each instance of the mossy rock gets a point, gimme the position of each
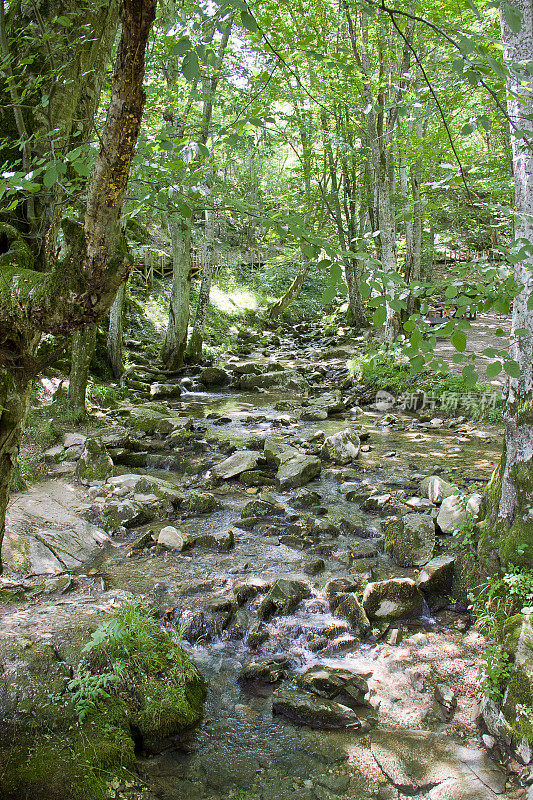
(68, 731)
(77, 766)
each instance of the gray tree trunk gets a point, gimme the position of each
(194, 348)
(178, 318)
(509, 523)
(81, 355)
(114, 333)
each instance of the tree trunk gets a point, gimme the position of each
(14, 399)
(277, 308)
(194, 348)
(178, 318)
(508, 524)
(83, 344)
(114, 333)
(71, 295)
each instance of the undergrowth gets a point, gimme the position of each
(439, 390)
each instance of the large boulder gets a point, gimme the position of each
(305, 708)
(298, 471)
(410, 540)
(437, 575)
(288, 380)
(351, 609)
(393, 599)
(213, 376)
(95, 463)
(283, 598)
(334, 683)
(342, 447)
(158, 391)
(436, 489)
(147, 416)
(236, 464)
(457, 509)
(45, 533)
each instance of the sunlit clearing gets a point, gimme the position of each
(234, 302)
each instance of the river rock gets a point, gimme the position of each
(217, 540)
(351, 610)
(248, 589)
(437, 489)
(241, 461)
(342, 447)
(283, 598)
(335, 683)
(455, 509)
(271, 670)
(392, 599)
(213, 376)
(290, 380)
(437, 575)
(305, 708)
(145, 484)
(95, 463)
(171, 537)
(304, 498)
(337, 589)
(410, 540)
(45, 535)
(160, 390)
(146, 416)
(298, 471)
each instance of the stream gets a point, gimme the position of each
(405, 744)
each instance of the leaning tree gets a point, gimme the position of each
(54, 57)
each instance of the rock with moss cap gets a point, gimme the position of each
(410, 540)
(95, 463)
(392, 599)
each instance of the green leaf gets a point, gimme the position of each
(469, 375)
(417, 363)
(458, 339)
(450, 292)
(513, 17)
(379, 316)
(182, 46)
(365, 290)
(81, 168)
(512, 368)
(336, 272)
(494, 368)
(50, 176)
(248, 22)
(329, 294)
(190, 66)
(64, 21)
(308, 250)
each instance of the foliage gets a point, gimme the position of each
(391, 371)
(88, 691)
(495, 670)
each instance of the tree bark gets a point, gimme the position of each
(14, 399)
(114, 333)
(178, 319)
(194, 348)
(82, 352)
(508, 524)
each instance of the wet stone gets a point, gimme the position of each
(305, 708)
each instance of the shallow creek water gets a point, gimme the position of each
(241, 750)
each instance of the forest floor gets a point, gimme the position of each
(270, 531)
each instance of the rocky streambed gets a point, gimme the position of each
(300, 543)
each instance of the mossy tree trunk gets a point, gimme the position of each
(114, 333)
(70, 295)
(508, 525)
(83, 344)
(178, 319)
(194, 348)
